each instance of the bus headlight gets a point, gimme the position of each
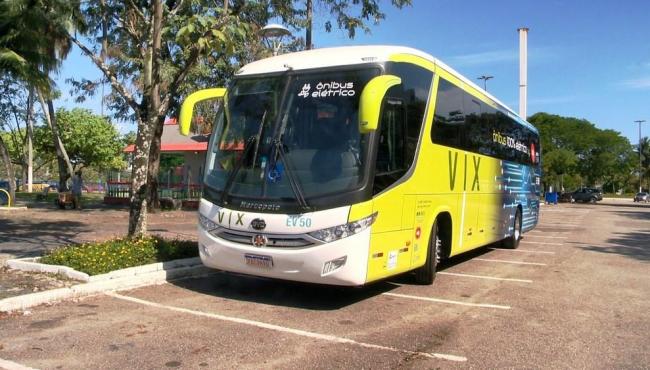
(343, 231)
(206, 223)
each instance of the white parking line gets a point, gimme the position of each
(438, 300)
(483, 277)
(543, 243)
(282, 329)
(10, 365)
(512, 262)
(522, 250)
(527, 235)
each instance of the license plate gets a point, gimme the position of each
(259, 260)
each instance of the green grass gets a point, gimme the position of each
(115, 254)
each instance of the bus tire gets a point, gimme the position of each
(512, 242)
(426, 274)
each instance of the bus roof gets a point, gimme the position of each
(351, 55)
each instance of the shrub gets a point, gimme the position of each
(115, 254)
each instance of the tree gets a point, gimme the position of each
(34, 41)
(91, 140)
(348, 15)
(154, 47)
(12, 118)
(556, 164)
(26, 51)
(577, 148)
(644, 157)
(16, 125)
(611, 158)
(63, 160)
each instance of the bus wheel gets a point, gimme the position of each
(427, 273)
(512, 242)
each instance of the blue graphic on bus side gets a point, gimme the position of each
(519, 186)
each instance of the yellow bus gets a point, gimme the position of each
(348, 165)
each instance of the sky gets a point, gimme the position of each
(586, 58)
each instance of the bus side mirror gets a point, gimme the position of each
(370, 101)
(187, 108)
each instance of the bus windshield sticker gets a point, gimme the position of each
(275, 173)
(328, 89)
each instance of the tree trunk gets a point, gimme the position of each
(139, 174)
(65, 167)
(147, 125)
(308, 44)
(24, 170)
(154, 165)
(30, 140)
(10, 170)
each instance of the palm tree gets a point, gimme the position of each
(33, 42)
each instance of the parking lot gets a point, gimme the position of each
(576, 294)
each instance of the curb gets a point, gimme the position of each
(130, 278)
(4, 208)
(620, 199)
(32, 264)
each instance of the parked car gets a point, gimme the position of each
(566, 197)
(591, 195)
(642, 197)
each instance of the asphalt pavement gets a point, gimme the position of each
(31, 232)
(576, 294)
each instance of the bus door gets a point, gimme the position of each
(470, 200)
(390, 243)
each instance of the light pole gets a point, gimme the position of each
(640, 121)
(273, 34)
(485, 78)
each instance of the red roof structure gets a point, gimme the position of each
(173, 141)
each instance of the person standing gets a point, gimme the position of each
(77, 185)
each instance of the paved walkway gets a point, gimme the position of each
(31, 232)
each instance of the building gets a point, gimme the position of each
(181, 167)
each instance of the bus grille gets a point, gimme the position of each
(275, 241)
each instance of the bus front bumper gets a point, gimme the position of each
(320, 264)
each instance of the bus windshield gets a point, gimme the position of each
(289, 137)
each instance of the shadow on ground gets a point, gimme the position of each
(631, 204)
(281, 292)
(634, 244)
(95, 206)
(640, 216)
(303, 295)
(29, 239)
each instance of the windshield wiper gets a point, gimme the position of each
(295, 185)
(235, 170)
(278, 151)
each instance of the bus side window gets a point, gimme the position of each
(391, 152)
(449, 119)
(473, 110)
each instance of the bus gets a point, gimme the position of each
(344, 166)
